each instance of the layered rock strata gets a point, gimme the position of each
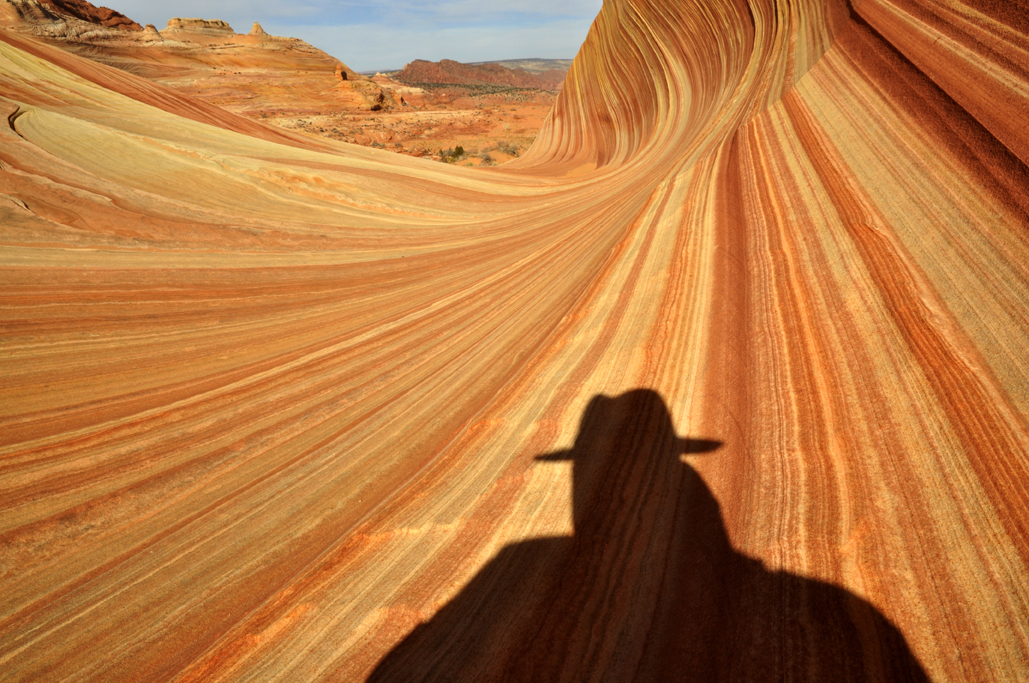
(215, 27)
(85, 11)
(76, 21)
(724, 378)
(205, 58)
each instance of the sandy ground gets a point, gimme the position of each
(491, 128)
(499, 132)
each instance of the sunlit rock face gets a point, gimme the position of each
(81, 9)
(77, 10)
(724, 379)
(211, 26)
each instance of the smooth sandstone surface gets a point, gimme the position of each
(725, 378)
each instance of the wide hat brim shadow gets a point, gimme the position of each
(681, 447)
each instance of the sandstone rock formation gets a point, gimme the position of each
(19, 12)
(199, 56)
(85, 11)
(150, 33)
(66, 20)
(215, 27)
(724, 378)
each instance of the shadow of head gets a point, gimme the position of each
(625, 442)
(651, 574)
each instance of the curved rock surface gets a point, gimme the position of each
(86, 11)
(725, 378)
(74, 20)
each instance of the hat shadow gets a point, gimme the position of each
(649, 587)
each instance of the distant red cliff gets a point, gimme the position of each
(448, 71)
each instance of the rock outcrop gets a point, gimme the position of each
(150, 33)
(215, 27)
(21, 12)
(65, 19)
(724, 379)
(85, 11)
(191, 50)
(450, 72)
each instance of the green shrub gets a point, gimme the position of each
(450, 156)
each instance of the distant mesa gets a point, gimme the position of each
(534, 65)
(449, 72)
(208, 26)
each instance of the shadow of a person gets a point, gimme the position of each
(648, 589)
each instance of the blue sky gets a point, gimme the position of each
(386, 34)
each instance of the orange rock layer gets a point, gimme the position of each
(724, 379)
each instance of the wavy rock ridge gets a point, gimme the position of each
(270, 402)
(80, 9)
